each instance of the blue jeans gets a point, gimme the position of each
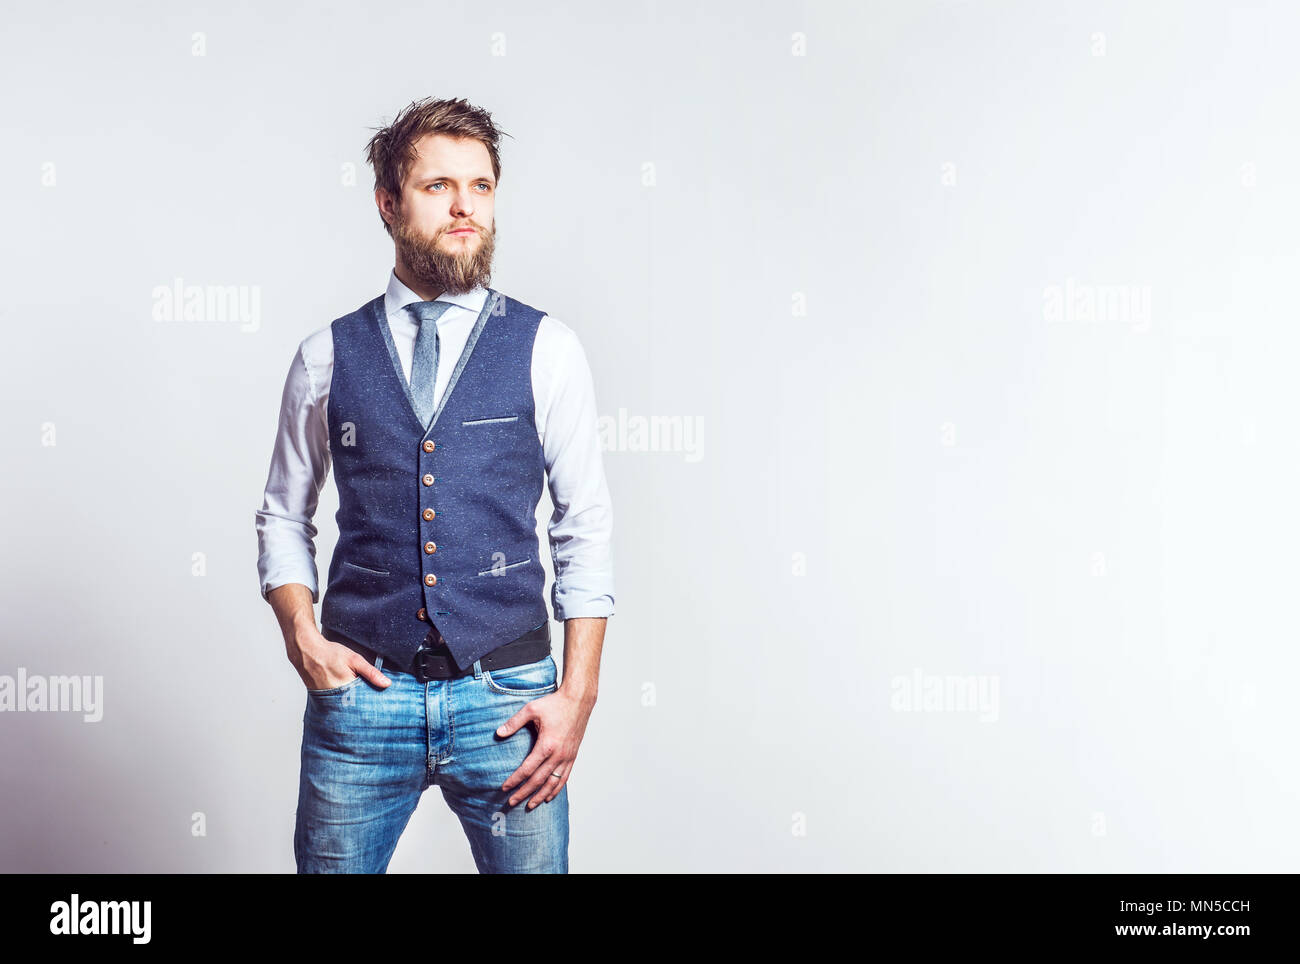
(369, 753)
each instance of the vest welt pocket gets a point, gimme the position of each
(486, 421)
(496, 569)
(368, 572)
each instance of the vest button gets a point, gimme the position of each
(422, 615)
(428, 515)
(430, 579)
(427, 480)
(428, 446)
(430, 547)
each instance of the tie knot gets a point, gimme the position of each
(428, 310)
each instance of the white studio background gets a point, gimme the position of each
(982, 317)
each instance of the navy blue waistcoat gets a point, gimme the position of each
(437, 524)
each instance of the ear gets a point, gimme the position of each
(386, 204)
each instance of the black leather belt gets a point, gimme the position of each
(434, 661)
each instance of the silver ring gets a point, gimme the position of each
(555, 776)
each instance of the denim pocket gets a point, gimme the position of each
(527, 679)
(333, 690)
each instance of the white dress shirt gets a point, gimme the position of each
(564, 400)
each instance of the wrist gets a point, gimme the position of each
(586, 695)
(302, 628)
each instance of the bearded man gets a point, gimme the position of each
(443, 406)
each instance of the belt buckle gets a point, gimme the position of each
(420, 666)
(432, 639)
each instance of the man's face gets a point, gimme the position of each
(444, 229)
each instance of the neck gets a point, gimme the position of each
(405, 277)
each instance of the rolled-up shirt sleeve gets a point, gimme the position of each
(300, 463)
(581, 528)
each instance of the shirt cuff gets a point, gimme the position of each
(283, 579)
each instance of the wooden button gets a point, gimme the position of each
(428, 480)
(422, 615)
(430, 579)
(430, 547)
(428, 445)
(428, 515)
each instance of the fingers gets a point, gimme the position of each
(556, 785)
(525, 769)
(541, 773)
(527, 773)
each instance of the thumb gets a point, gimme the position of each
(515, 722)
(369, 672)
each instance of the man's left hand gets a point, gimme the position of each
(561, 722)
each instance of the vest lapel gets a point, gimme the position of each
(488, 303)
(380, 322)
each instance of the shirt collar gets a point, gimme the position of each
(398, 296)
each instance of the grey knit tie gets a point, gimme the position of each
(424, 363)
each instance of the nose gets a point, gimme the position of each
(462, 206)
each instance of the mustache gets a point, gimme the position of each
(457, 269)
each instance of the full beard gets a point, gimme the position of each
(455, 273)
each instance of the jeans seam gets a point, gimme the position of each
(451, 724)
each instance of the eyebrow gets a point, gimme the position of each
(433, 178)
